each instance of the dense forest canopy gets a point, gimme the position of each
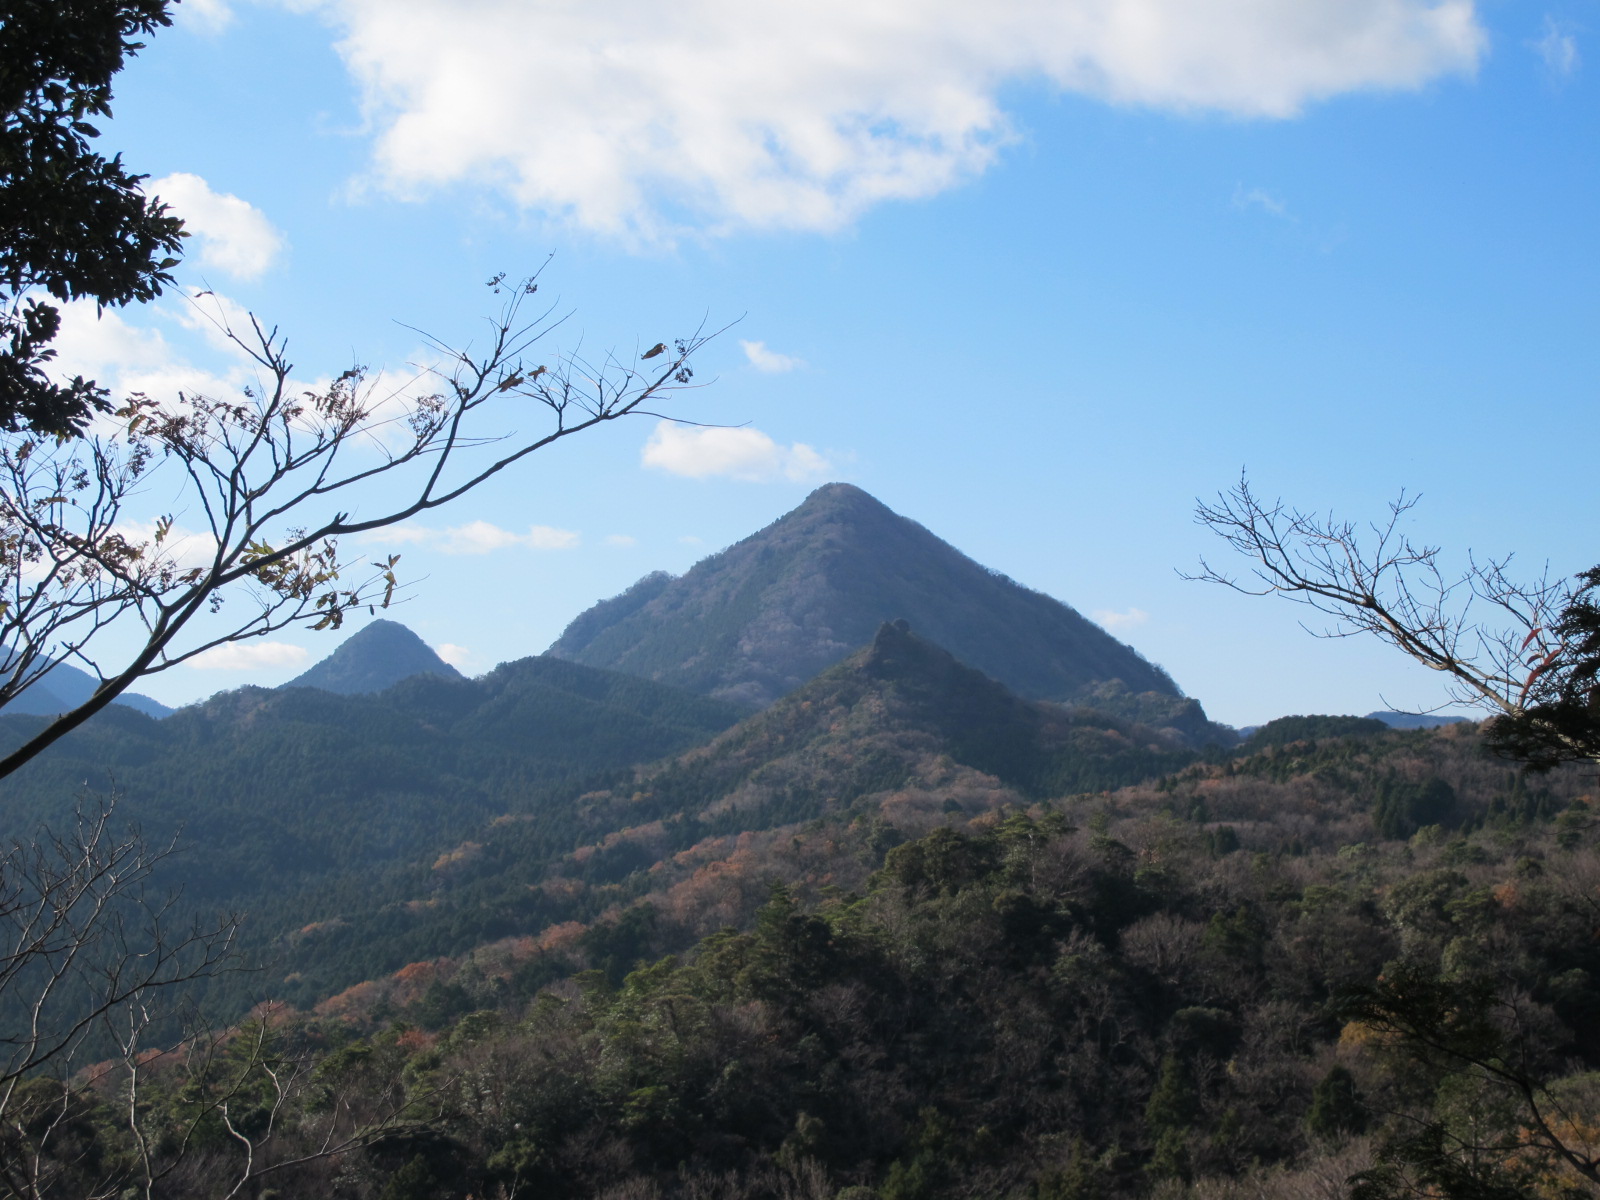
(906, 935)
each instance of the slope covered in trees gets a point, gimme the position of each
(759, 619)
(1227, 981)
(279, 798)
(894, 740)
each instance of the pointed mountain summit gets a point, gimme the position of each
(373, 659)
(760, 618)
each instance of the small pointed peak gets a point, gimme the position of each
(375, 657)
(896, 650)
(892, 633)
(894, 646)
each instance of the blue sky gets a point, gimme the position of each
(1035, 275)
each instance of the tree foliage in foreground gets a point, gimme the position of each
(1560, 720)
(74, 224)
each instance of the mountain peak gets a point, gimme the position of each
(372, 659)
(758, 619)
(842, 502)
(840, 495)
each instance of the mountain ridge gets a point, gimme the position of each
(755, 621)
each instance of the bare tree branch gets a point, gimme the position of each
(1506, 646)
(277, 477)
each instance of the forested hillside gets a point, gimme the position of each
(902, 934)
(1344, 952)
(885, 745)
(288, 804)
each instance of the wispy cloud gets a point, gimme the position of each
(183, 548)
(250, 656)
(704, 116)
(621, 539)
(1261, 200)
(744, 454)
(769, 361)
(235, 237)
(1557, 45)
(475, 537)
(1116, 621)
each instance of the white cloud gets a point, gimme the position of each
(250, 656)
(638, 119)
(121, 356)
(621, 539)
(1259, 198)
(690, 539)
(745, 454)
(207, 16)
(1120, 620)
(456, 656)
(234, 235)
(475, 537)
(97, 344)
(546, 537)
(1558, 47)
(769, 361)
(400, 535)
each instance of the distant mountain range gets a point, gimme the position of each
(1406, 720)
(756, 621)
(376, 657)
(1331, 726)
(759, 619)
(63, 687)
